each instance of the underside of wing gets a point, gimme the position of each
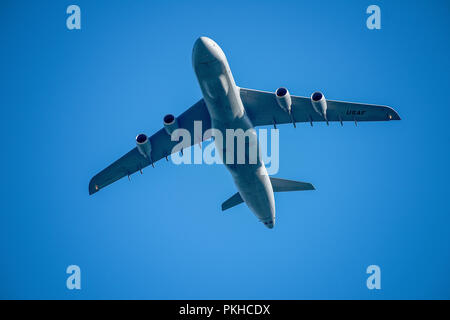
(263, 109)
(125, 166)
(161, 146)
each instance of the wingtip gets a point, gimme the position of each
(93, 188)
(396, 116)
(392, 114)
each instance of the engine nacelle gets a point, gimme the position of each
(143, 145)
(284, 99)
(170, 123)
(319, 104)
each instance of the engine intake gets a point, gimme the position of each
(284, 99)
(143, 145)
(319, 104)
(170, 123)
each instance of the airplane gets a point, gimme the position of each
(226, 106)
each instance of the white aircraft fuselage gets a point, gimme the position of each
(222, 98)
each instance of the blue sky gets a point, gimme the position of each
(73, 101)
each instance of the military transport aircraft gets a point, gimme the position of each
(227, 106)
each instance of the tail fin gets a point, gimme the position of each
(278, 185)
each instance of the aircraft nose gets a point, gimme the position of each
(205, 50)
(269, 224)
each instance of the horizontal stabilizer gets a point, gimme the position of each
(283, 185)
(233, 201)
(278, 185)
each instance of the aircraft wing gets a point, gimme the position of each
(262, 108)
(161, 144)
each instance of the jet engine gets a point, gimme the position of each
(319, 104)
(284, 99)
(170, 123)
(143, 145)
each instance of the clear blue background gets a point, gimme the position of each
(73, 101)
